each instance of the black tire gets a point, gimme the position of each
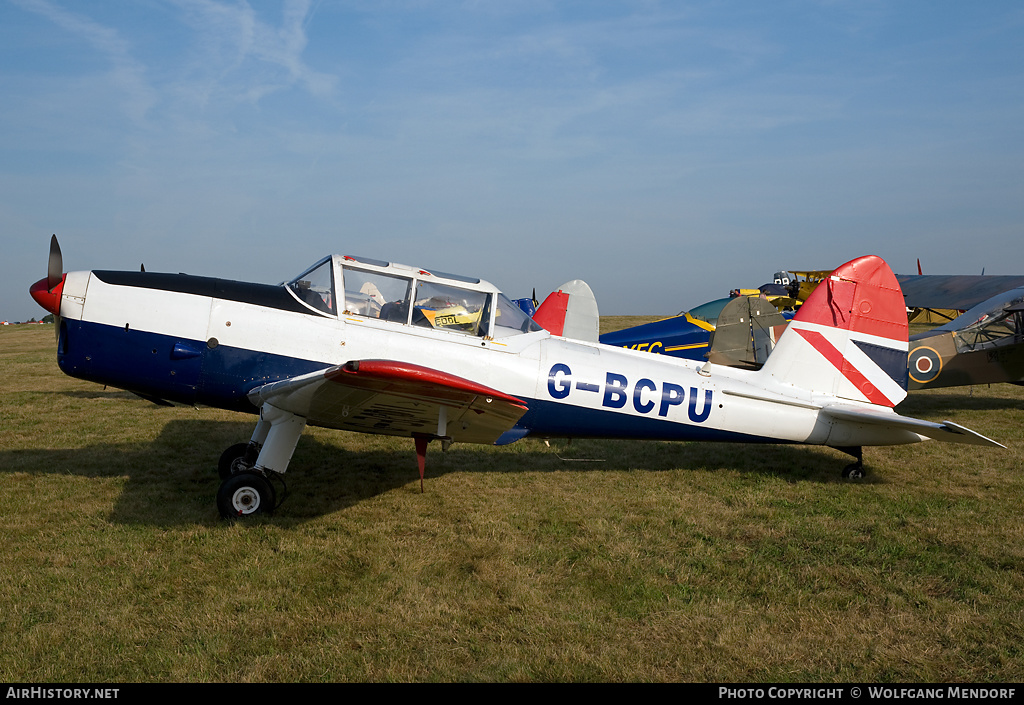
(233, 460)
(245, 494)
(854, 472)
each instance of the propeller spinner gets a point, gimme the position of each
(47, 292)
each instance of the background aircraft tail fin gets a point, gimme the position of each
(745, 333)
(849, 339)
(570, 312)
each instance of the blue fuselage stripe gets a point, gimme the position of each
(167, 367)
(559, 420)
(170, 367)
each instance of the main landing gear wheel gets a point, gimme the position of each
(244, 494)
(234, 460)
(854, 471)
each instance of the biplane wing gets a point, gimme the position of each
(810, 274)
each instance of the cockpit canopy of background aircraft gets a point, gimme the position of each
(710, 311)
(994, 322)
(355, 286)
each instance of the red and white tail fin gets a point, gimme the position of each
(849, 339)
(570, 312)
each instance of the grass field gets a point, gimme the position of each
(590, 561)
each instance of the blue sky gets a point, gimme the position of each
(665, 152)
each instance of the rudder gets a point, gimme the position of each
(570, 312)
(849, 339)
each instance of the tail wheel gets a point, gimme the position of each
(244, 494)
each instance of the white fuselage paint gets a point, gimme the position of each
(536, 367)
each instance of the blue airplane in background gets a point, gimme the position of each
(685, 335)
(737, 331)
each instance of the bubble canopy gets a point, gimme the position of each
(343, 285)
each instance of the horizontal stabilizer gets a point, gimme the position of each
(946, 431)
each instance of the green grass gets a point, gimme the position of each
(589, 561)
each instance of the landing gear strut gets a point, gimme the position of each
(246, 468)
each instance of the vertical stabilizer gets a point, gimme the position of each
(849, 339)
(745, 333)
(570, 312)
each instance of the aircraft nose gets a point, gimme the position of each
(46, 297)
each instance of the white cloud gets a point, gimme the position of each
(126, 73)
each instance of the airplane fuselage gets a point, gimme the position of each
(206, 341)
(370, 346)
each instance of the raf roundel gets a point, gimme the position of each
(925, 365)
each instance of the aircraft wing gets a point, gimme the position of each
(957, 291)
(945, 431)
(395, 398)
(811, 274)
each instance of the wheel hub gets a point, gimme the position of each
(245, 500)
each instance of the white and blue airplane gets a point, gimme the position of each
(371, 346)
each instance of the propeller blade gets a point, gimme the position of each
(55, 265)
